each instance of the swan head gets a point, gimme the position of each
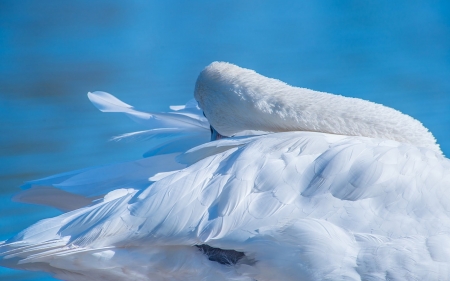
(236, 99)
(230, 97)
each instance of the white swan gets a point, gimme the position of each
(311, 186)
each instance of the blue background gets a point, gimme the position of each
(149, 53)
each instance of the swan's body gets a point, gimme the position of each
(290, 205)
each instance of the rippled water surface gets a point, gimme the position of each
(148, 53)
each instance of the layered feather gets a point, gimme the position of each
(322, 216)
(176, 131)
(295, 205)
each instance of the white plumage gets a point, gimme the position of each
(236, 99)
(334, 192)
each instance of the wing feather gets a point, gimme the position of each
(70, 191)
(300, 203)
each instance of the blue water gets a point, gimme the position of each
(149, 53)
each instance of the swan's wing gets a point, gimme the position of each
(176, 132)
(297, 204)
(72, 190)
(189, 116)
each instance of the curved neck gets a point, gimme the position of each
(235, 99)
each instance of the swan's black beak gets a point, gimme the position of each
(215, 135)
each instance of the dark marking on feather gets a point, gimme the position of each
(227, 257)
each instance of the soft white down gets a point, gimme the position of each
(236, 99)
(312, 200)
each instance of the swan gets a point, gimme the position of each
(295, 185)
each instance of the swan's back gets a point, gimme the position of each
(278, 206)
(295, 204)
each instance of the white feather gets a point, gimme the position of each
(236, 99)
(299, 205)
